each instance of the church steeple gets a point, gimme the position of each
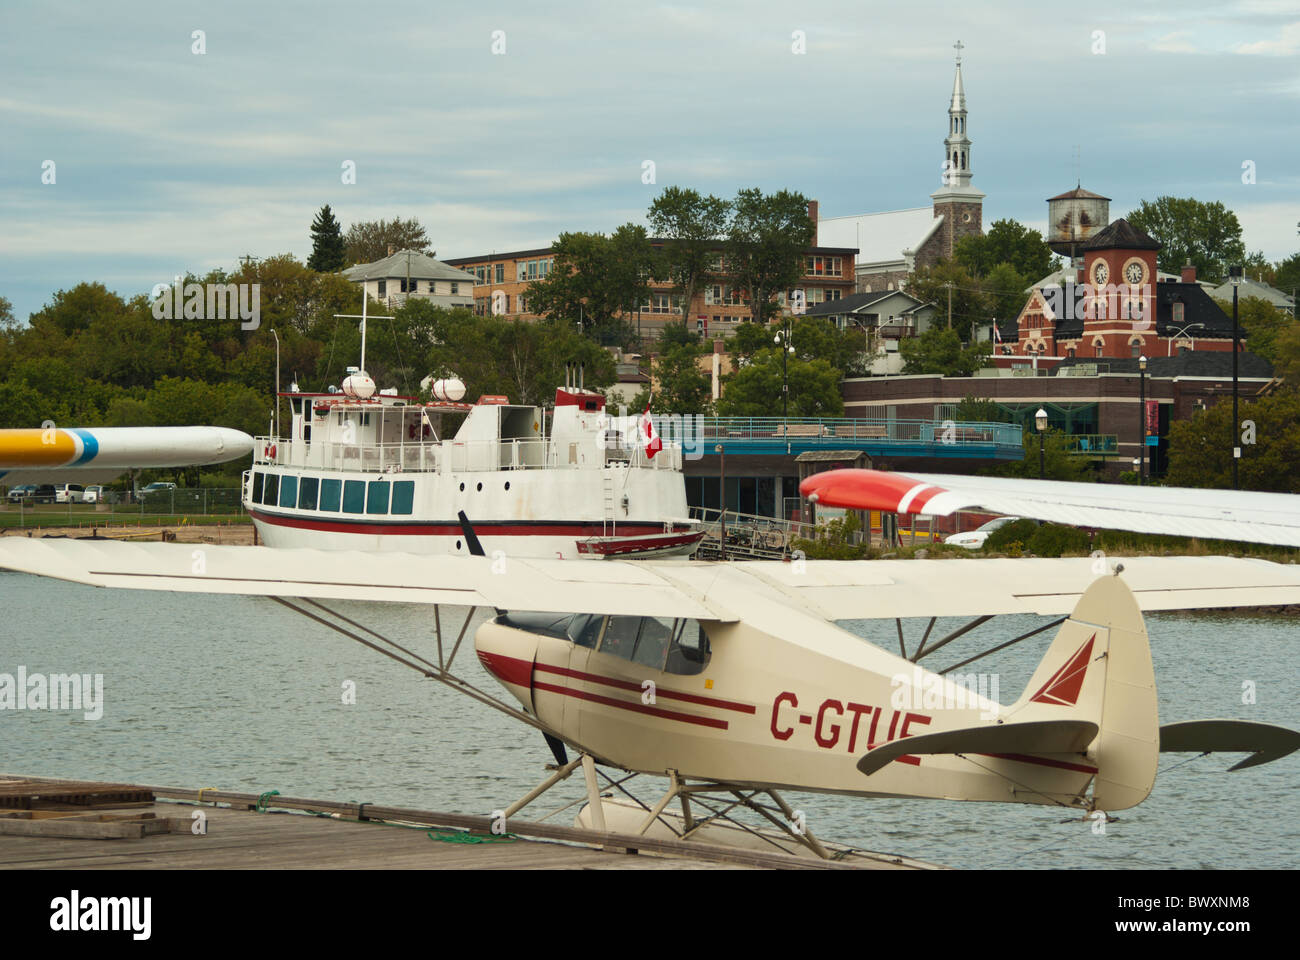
(956, 201)
(957, 168)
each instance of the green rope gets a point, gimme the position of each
(464, 836)
(264, 799)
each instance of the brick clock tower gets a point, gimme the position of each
(1119, 263)
(960, 204)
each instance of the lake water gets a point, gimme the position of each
(242, 694)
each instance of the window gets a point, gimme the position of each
(383, 288)
(271, 494)
(834, 293)
(409, 286)
(455, 288)
(257, 488)
(481, 273)
(501, 273)
(659, 303)
(1099, 350)
(673, 646)
(329, 495)
(377, 497)
(354, 496)
(307, 490)
(404, 497)
(824, 266)
(533, 269)
(289, 492)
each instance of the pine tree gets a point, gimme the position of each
(326, 242)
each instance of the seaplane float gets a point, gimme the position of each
(732, 681)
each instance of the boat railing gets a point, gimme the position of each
(457, 456)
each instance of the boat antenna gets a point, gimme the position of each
(363, 316)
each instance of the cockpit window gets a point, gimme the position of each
(676, 646)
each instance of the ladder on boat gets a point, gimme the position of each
(608, 525)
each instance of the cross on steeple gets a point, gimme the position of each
(958, 47)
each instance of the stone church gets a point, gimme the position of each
(894, 243)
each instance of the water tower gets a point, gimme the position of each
(1072, 219)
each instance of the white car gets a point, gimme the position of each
(974, 539)
(68, 492)
(93, 494)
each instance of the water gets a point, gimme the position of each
(243, 694)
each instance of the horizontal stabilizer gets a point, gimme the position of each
(1263, 741)
(1035, 736)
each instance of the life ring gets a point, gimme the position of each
(268, 452)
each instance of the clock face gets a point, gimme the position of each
(1100, 273)
(1135, 273)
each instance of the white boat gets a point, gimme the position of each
(365, 472)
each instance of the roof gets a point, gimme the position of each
(1193, 363)
(1254, 288)
(1121, 235)
(1198, 308)
(878, 237)
(510, 255)
(1078, 193)
(856, 302)
(419, 266)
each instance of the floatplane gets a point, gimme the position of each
(733, 682)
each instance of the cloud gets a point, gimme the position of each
(1285, 44)
(1176, 42)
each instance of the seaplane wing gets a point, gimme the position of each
(1245, 516)
(561, 586)
(722, 592)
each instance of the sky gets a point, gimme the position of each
(500, 126)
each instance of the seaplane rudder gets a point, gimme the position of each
(1098, 668)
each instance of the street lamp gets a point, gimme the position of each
(782, 341)
(1180, 332)
(1234, 274)
(1142, 418)
(1040, 421)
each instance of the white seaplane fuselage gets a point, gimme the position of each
(373, 475)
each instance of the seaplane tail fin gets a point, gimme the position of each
(1263, 741)
(1098, 669)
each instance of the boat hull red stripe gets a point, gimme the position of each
(442, 529)
(659, 691)
(636, 707)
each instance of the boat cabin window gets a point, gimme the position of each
(257, 487)
(271, 493)
(307, 489)
(354, 496)
(404, 497)
(330, 490)
(377, 497)
(289, 491)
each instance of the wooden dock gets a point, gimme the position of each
(57, 824)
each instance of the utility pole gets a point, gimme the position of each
(949, 286)
(1234, 275)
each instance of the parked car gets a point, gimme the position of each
(45, 493)
(21, 492)
(975, 539)
(68, 492)
(156, 487)
(93, 494)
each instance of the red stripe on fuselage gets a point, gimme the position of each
(659, 691)
(635, 707)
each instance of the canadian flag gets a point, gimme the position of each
(997, 334)
(652, 442)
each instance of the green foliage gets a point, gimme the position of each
(767, 239)
(971, 306)
(939, 350)
(1005, 288)
(1006, 242)
(692, 226)
(974, 410)
(833, 540)
(755, 389)
(1059, 462)
(1261, 323)
(1287, 275)
(1017, 531)
(1053, 540)
(596, 280)
(369, 240)
(1206, 234)
(1200, 449)
(682, 387)
(328, 252)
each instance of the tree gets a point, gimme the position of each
(370, 240)
(679, 384)
(973, 409)
(755, 389)
(1206, 234)
(692, 227)
(1287, 276)
(1004, 289)
(595, 281)
(1261, 322)
(1007, 241)
(7, 319)
(939, 350)
(327, 250)
(1200, 449)
(948, 282)
(767, 239)
(1059, 462)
